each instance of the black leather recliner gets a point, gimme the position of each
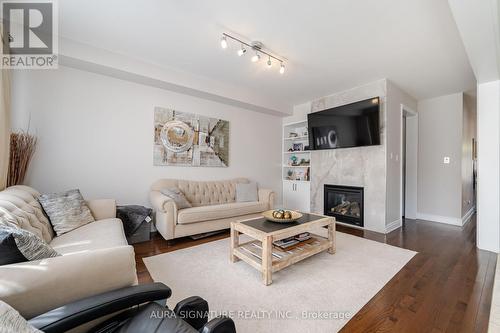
(143, 310)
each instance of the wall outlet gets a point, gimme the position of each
(446, 160)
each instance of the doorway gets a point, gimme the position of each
(409, 154)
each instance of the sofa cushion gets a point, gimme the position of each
(246, 192)
(29, 244)
(66, 210)
(203, 193)
(96, 235)
(12, 321)
(214, 212)
(19, 207)
(9, 253)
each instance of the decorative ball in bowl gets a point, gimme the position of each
(282, 216)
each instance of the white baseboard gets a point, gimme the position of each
(440, 219)
(393, 225)
(468, 215)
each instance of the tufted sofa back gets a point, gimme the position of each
(203, 193)
(20, 208)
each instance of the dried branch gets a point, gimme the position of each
(22, 148)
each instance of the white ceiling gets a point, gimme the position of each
(331, 45)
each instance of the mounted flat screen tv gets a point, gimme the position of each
(351, 125)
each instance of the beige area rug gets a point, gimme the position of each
(319, 294)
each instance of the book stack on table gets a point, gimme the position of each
(290, 242)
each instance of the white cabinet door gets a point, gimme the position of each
(296, 196)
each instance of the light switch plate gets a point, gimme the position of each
(446, 160)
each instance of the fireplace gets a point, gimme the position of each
(345, 203)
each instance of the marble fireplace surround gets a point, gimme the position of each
(360, 166)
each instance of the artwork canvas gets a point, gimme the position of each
(187, 139)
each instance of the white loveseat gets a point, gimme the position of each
(214, 206)
(95, 257)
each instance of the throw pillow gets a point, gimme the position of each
(12, 322)
(29, 245)
(9, 252)
(179, 198)
(246, 192)
(66, 210)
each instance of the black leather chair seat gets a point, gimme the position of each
(154, 318)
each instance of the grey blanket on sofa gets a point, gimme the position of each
(132, 217)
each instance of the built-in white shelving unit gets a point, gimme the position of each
(296, 172)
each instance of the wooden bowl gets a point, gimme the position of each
(269, 216)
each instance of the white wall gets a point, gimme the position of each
(96, 133)
(440, 134)
(488, 166)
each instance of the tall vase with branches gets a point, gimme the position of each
(22, 148)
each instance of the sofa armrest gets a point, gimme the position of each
(102, 208)
(165, 214)
(85, 310)
(267, 196)
(35, 287)
(161, 202)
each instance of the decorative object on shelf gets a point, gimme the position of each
(292, 135)
(257, 50)
(186, 139)
(301, 131)
(297, 147)
(293, 160)
(282, 216)
(304, 162)
(22, 148)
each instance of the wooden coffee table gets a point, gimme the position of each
(260, 252)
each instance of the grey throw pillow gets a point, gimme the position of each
(179, 198)
(12, 322)
(66, 210)
(29, 245)
(246, 192)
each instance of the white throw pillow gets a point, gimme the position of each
(179, 198)
(246, 192)
(12, 322)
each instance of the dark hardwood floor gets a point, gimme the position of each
(446, 287)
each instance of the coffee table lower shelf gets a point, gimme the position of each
(251, 252)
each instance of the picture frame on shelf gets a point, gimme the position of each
(298, 147)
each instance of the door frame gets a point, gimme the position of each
(405, 112)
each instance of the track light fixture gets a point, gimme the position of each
(257, 47)
(241, 51)
(223, 42)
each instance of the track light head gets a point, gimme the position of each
(256, 57)
(269, 63)
(241, 51)
(282, 68)
(223, 42)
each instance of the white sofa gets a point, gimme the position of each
(214, 206)
(95, 257)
